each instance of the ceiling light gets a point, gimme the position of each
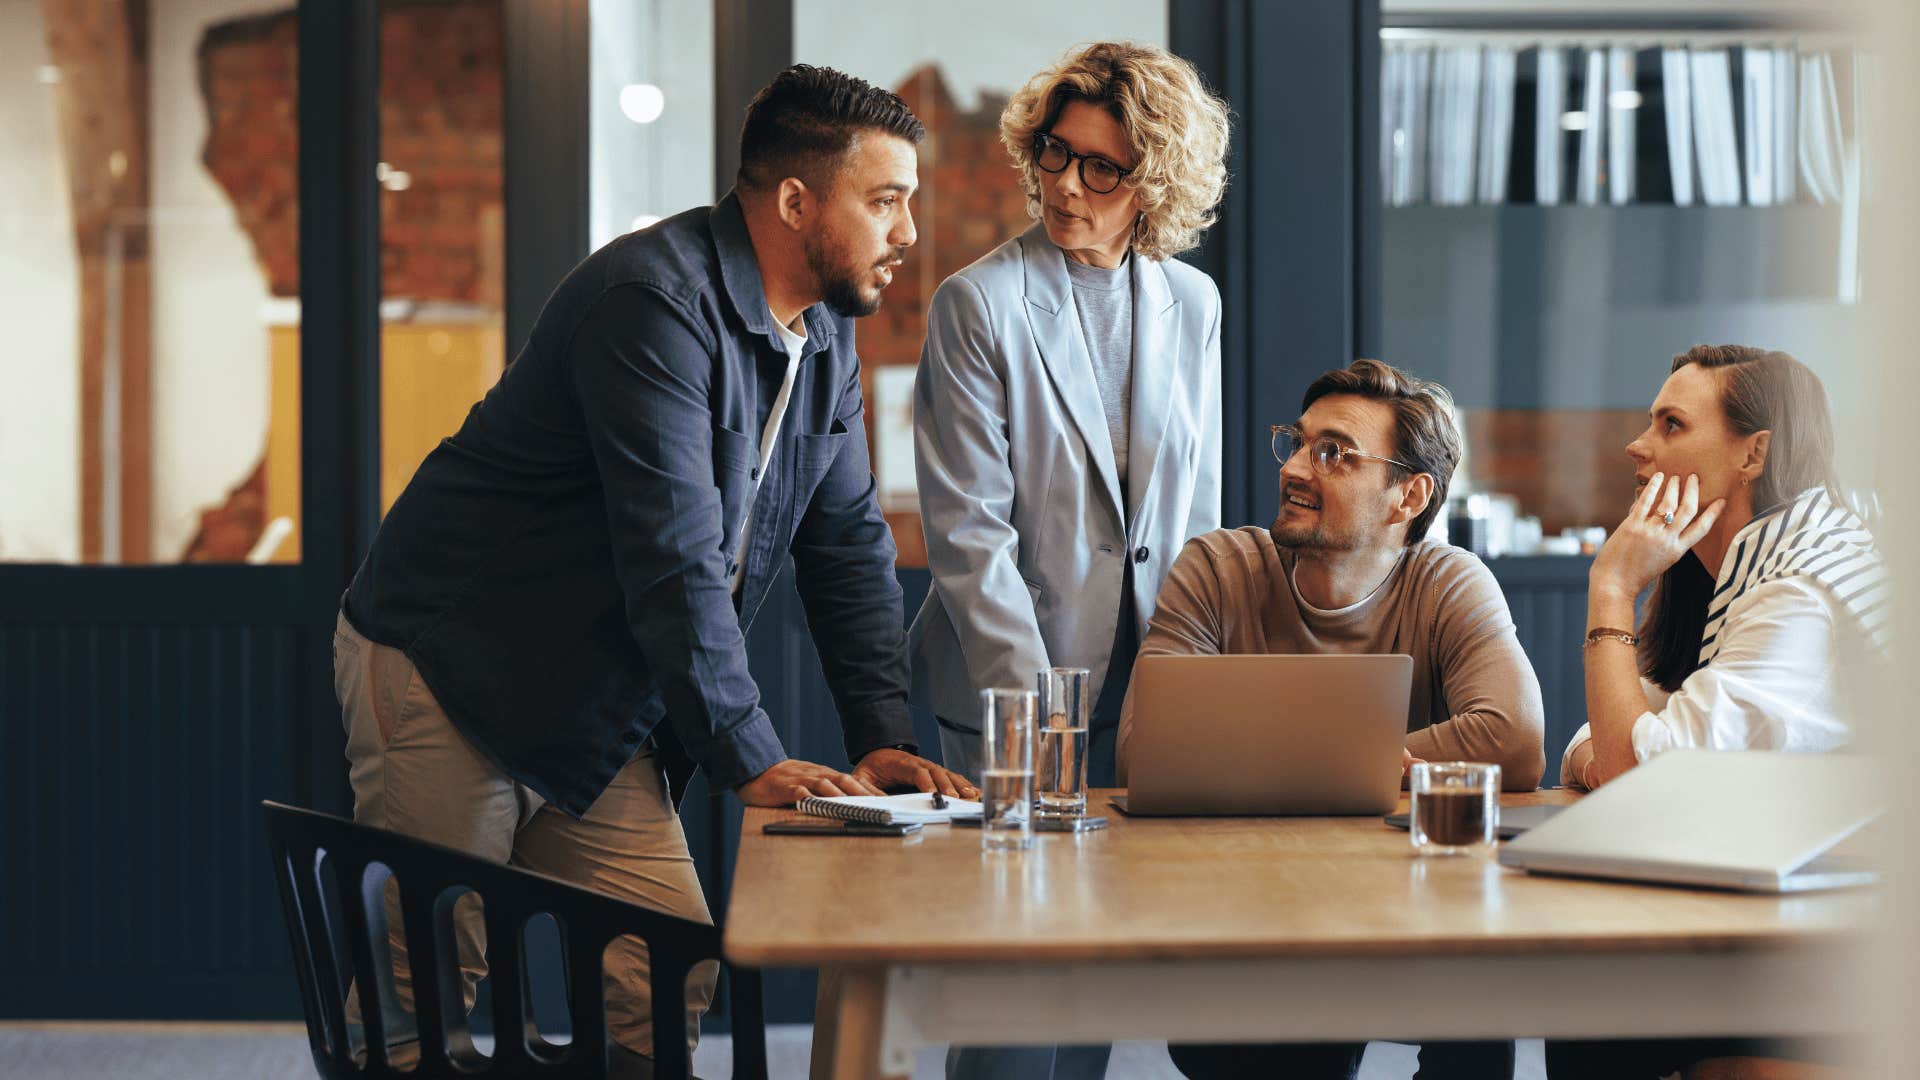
(642, 102)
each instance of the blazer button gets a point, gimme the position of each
(755, 476)
(630, 738)
(1140, 556)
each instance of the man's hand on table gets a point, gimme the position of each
(897, 769)
(792, 780)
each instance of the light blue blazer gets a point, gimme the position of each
(1028, 533)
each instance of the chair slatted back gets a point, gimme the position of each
(432, 879)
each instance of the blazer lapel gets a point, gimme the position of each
(1056, 330)
(1156, 377)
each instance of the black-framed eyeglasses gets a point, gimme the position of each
(1323, 453)
(1097, 174)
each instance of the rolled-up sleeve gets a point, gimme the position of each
(1771, 685)
(640, 368)
(843, 555)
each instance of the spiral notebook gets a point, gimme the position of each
(887, 809)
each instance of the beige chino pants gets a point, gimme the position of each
(414, 773)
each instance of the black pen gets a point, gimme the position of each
(939, 803)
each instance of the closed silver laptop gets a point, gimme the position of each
(1752, 820)
(1256, 735)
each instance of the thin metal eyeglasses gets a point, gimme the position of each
(1323, 453)
(1099, 175)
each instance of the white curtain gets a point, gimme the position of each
(1456, 91)
(1623, 110)
(1403, 122)
(1786, 62)
(1820, 151)
(1676, 86)
(1594, 107)
(1757, 125)
(1713, 135)
(1551, 93)
(1447, 113)
(1498, 68)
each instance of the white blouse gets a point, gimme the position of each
(1779, 682)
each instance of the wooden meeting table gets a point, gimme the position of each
(1262, 929)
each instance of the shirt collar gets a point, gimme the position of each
(746, 291)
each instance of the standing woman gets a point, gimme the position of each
(1067, 407)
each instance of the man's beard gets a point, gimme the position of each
(1309, 538)
(839, 284)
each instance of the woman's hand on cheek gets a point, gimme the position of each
(1663, 524)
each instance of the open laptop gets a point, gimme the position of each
(1751, 820)
(1252, 735)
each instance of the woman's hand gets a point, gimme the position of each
(1664, 524)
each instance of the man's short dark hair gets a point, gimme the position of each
(1424, 435)
(803, 123)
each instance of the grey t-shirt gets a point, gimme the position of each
(1105, 301)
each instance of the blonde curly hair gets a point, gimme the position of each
(1176, 127)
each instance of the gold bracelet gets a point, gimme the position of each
(1608, 633)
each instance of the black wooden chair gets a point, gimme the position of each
(318, 912)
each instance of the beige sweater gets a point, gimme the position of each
(1475, 697)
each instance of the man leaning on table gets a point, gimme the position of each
(555, 608)
(1346, 568)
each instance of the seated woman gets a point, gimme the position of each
(1767, 591)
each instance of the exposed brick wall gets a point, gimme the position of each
(440, 122)
(969, 202)
(1566, 466)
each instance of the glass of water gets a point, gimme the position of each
(1061, 777)
(1006, 769)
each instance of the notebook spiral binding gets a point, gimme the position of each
(833, 808)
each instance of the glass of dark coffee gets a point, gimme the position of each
(1456, 807)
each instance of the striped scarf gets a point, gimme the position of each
(1814, 537)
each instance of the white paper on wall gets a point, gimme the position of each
(892, 405)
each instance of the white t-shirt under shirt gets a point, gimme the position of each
(769, 435)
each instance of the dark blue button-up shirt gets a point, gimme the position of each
(560, 569)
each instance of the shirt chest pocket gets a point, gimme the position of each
(813, 459)
(735, 457)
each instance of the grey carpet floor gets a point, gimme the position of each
(34, 1051)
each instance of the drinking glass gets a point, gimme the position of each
(1456, 807)
(1061, 776)
(1006, 772)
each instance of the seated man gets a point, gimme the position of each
(1346, 568)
